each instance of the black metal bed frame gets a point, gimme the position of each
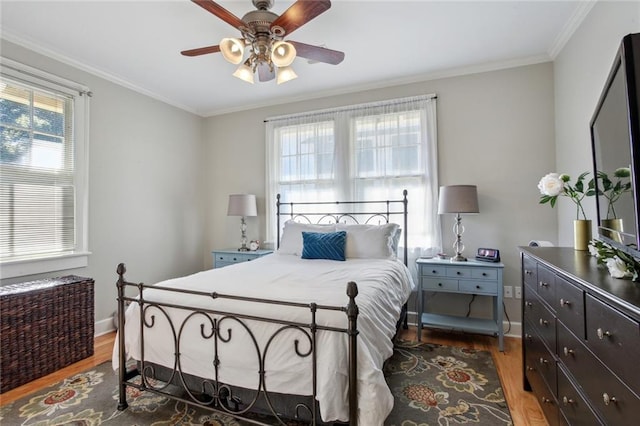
(213, 394)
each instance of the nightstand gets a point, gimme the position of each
(470, 277)
(228, 257)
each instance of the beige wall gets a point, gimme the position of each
(580, 71)
(145, 184)
(495, 131)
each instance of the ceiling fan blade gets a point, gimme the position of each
(299, 13)
(221, 13)
(317, 53)
(265, 73)
(201, 51)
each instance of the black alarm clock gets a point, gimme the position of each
(488, 255)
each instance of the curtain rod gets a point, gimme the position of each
(353, 107)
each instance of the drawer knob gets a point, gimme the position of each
(543, 361)
(478, 287)
(545, 400)
(543, 322)
(528, 304)
(567, 401)
(602, 333)
(484, 274)
(458, 272)
(528, 337)
(564, 302)
(439, 284)
(433, 271)
(543, 284)
(530, 368)
(234, 259)
(608, 399)
(528, 272)
(568, 351)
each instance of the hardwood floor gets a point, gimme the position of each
(524, 408)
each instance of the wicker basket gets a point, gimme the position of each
(44, 325)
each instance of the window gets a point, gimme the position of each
(362, 152)
(43, 191)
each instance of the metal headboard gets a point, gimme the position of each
(364, 212)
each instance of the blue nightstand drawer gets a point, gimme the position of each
(433, 271)
(459, 272)
(484, 274)
(479, 287)
(222, 258)
(439, 284)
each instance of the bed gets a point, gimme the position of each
(293, 335)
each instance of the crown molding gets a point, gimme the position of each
(52, 54)
(570, 27)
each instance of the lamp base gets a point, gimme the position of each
(458, 258)
(247, 249)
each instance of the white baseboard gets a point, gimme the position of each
(103, 327)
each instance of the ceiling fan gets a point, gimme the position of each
(263, 34)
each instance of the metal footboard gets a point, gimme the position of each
(213, 394)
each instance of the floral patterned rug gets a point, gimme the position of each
(432, 385)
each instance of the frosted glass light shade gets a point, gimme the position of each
(245, 73)
(242, 205)
(283, 53)
(286, 74)
(232, 49)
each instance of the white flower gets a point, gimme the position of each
(593, 251)
(617, 268)
(551, 185)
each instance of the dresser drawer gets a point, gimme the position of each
(545, 396)
(529, 271)
(433, 271)
(531, 305)
(547, 285)
(233, 257)
(573, 406)
(570, 306)
(439, 284)
(542, 360)
(545, 323)
(615, 339)
(614, 401)
(478, 287)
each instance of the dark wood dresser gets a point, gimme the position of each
(580, 338)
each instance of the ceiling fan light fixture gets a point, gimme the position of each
(283, 53)
(244, 72)
(232, 49)
(285, 74)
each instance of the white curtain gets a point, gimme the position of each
(362, 152)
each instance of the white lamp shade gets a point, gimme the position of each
(242, 205)
(244, 73)
(285, 74)
(283, 53)
(458, 199)
(232, 49)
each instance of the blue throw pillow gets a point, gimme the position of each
(324, 245)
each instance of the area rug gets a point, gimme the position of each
(432, 385)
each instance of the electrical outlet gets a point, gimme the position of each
(518, 291)
(508, 291)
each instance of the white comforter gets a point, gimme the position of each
(383, 285)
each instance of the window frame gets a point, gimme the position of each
(78, 258)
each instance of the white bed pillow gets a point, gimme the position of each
(371, 241)
(291, 241)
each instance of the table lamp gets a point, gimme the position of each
(242, 205)
(458, 199)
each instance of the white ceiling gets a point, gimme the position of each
(138, 44)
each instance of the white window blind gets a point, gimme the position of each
(42, 189)
(362, 152)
